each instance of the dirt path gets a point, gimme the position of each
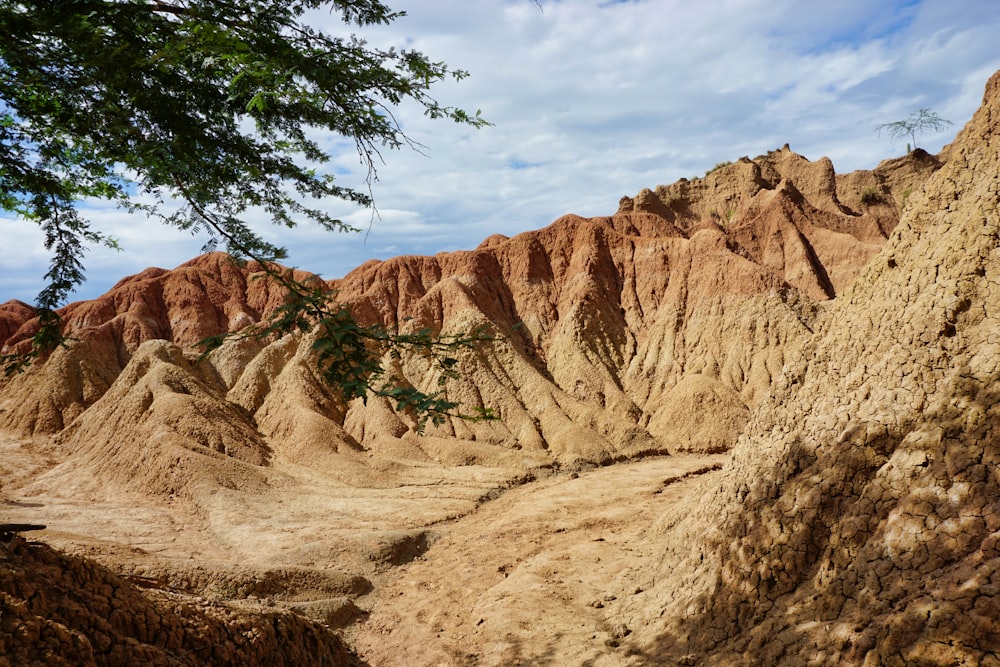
(533, 577)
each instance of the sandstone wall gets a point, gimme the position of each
(859, 520)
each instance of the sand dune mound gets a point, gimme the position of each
(160, 428)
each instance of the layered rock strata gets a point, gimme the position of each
(614, 335)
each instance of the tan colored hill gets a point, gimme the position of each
(846, 361)
(858, 520)
(855, 522)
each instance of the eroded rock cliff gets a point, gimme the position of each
(858, 521)
(615, 335)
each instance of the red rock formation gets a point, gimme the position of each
(713, 277)
(209, 295)
(13, 315)
(690, 293)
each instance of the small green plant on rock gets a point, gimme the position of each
(718, 165)
(871, 196)
(913, 126)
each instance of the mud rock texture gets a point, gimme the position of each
(858, 521)
(60, 610)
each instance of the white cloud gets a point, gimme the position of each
(592, 100)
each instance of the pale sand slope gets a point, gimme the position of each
(304, 535)
(536, 577)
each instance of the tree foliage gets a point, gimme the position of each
(914, 125)
(349, 356)
(194, 113)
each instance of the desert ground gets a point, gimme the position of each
(422, 563)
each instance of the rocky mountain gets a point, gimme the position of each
(836, 334)
(615, 333)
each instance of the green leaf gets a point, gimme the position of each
(215, 105)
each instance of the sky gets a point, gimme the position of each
(591, 100)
